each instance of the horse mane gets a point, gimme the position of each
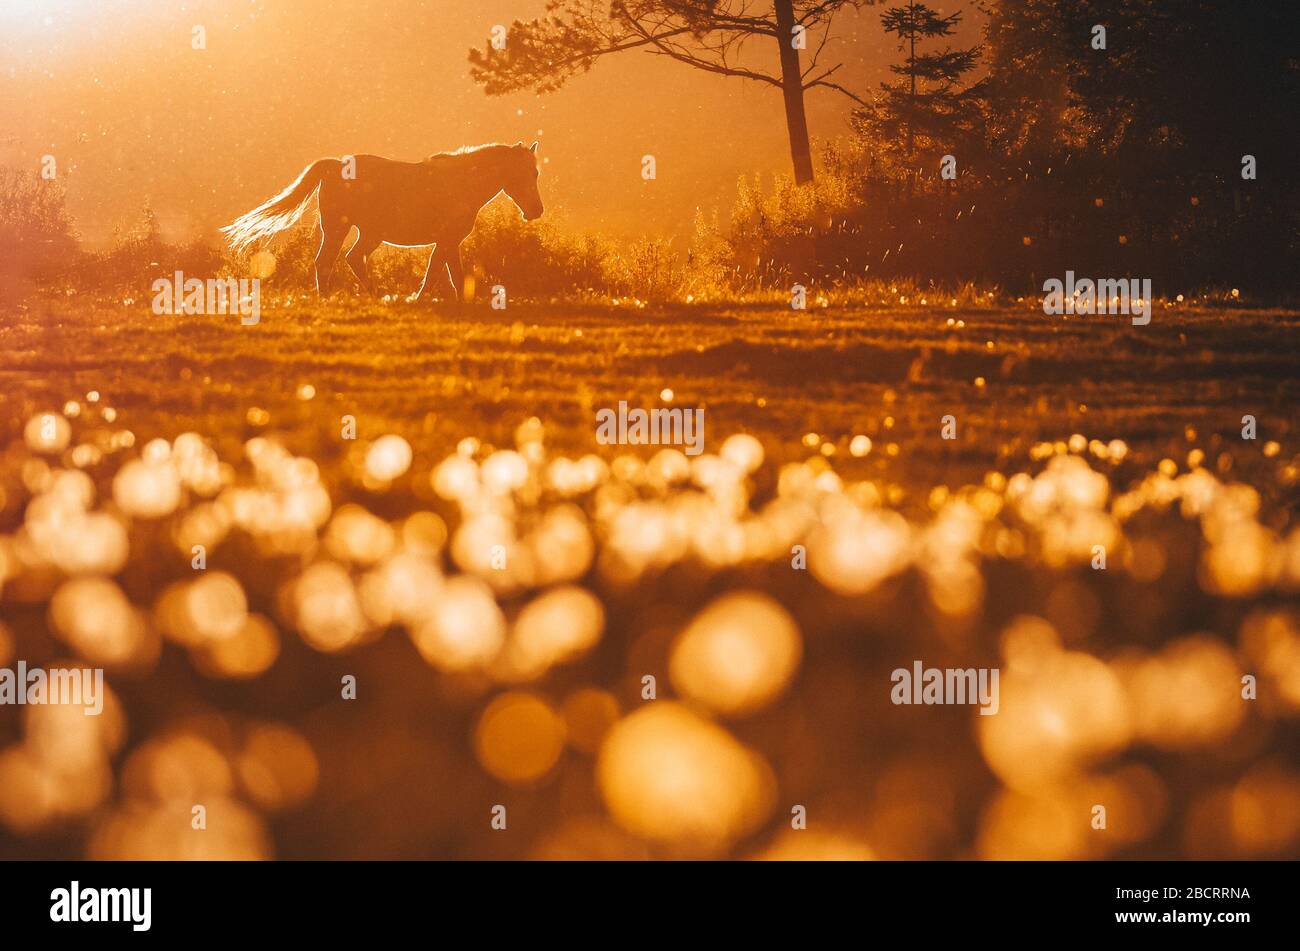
(467, 150)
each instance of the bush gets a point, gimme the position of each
(36, 232)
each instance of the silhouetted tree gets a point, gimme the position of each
(1165, 152)
(926, 101)
(1151, 131)
(542, 54)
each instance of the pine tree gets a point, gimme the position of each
(925, 103)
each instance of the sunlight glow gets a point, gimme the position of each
(58, 19)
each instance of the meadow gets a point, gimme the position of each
(879, 365)
(845, 539)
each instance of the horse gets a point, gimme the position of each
(406, 204)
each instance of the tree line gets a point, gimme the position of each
(1116, 134)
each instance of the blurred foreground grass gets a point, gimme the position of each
(500, 586)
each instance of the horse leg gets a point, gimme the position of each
(437, 262)
(456, 271)
(331, 242)
(358, 258)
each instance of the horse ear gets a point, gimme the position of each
(533, 148)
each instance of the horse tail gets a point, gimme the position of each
(276, 214)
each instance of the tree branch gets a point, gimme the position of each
(838, 88)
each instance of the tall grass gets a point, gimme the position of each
(857, 235)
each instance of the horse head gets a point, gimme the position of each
(520, 184)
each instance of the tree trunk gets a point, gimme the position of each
(792, 89)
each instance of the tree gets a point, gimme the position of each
(925, 101)
(544, 53)
(1152, 129)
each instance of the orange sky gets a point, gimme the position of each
(133, 114)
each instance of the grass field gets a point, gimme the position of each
(1010, 375)
(1119, 686)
